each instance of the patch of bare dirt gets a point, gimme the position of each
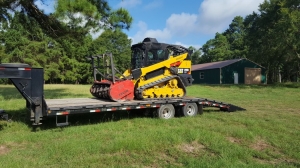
(3, 150)
(234, 140)
(171, 160)
(276, 157)
(163, 158)
(192, 147)
(277, 161)
(260, 145)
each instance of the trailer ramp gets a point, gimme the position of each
(222, 105)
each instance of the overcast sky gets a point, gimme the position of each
(189, 22)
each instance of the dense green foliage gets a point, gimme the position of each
(266, 135)
(74, 18)
(60, 42)
(269, 37)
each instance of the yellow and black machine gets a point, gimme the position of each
(158, 71)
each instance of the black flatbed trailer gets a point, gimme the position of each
(93, 105)
(30, 83)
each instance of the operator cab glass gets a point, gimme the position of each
(137, 57)
(142, 58)
(150, 52)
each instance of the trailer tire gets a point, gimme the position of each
(166, 111)
(189, 110)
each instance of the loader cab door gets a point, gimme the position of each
(137, 58)
(155, 56)
(145, 57)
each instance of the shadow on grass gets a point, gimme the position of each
(2, 125)
(93, 118)
(22, 115)
(8, 92)
(245, 86)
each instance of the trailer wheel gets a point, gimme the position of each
(166, 111)
(190, 110)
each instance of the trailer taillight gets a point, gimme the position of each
(63, 113)
(140, 107)
(24, 69)
(111, 109)
(95, 111)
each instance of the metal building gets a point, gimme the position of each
(235, 71)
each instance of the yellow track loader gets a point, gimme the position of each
(158, 71)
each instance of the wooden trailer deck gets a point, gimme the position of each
(54, 103)
(88, 103)
(71, 104)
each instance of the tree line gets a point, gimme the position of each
(269, 37)
(60, 41)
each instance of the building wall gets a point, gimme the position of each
(227, 73)
(210, 76)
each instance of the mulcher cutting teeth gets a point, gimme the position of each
(122, 90)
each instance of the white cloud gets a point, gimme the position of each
(96, 34)
(129, 3)
(197, 46)
(47, 6)
(214, 16)
(154, 4)
(160, 35)
(181, 24)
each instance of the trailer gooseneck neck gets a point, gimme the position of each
(30, 83)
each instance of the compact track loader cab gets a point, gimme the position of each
(158, 71)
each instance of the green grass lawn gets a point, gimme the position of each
(266, 135)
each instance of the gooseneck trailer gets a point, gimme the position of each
(29, 82)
